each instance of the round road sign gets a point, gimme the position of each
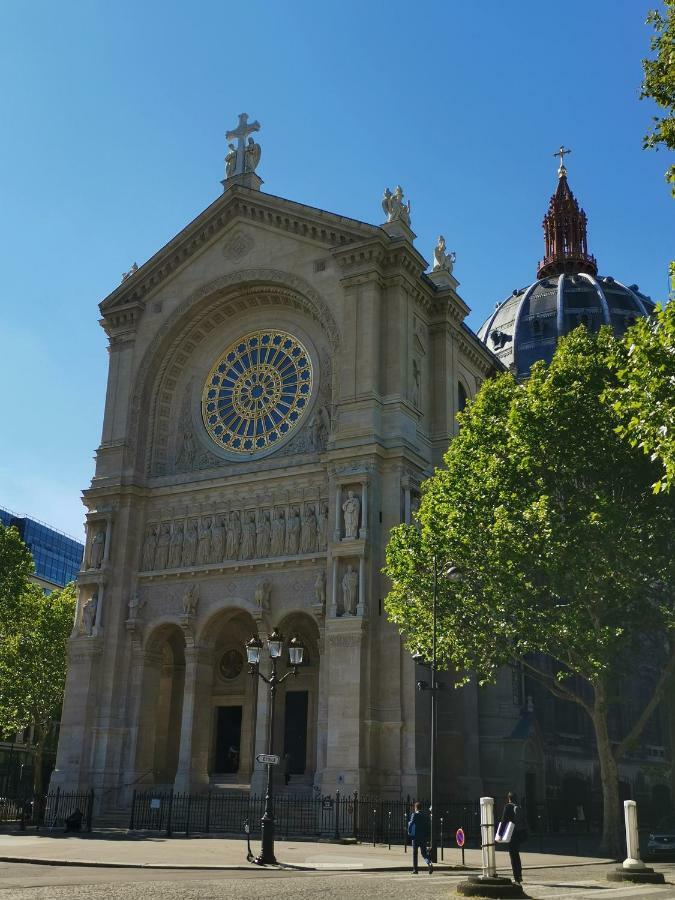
(459, 837)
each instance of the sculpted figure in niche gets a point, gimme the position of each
(190, 544)
(233, 535)
(248, 534)
(217, 540)
(320, 588)
(443, 261)
(162, 552)
(322, 526)
(252, 157)
(278, 533)
(230, 161)
(350, 583)
(190, 601)
(89, 614)
(97, 550)
(319, 427)
(351, 509)
(293, 532)
(176, 546)
(263, 535)
(263, 594)
(308, 531)
(186, 454)
(204, 546)
(135, 605)
(417, 379)
(149, 547)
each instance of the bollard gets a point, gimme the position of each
(541, 835)
(441, 821)
(389, 829)
(632, 860)
(487, 836)
(405, 832)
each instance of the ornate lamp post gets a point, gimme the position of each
(295, 651)
(450, 573)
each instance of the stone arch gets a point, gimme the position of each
(160, 714)
(206, 309)
(297, 712)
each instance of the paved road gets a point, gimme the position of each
(35, 882)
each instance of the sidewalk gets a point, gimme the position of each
(117, 849)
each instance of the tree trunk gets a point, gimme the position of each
(609, 774)
(38, 745)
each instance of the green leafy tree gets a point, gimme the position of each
(659, 81)
(563, 547)
(34, 628)
(644, 396)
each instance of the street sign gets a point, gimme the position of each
(269, 759)
(459, 837)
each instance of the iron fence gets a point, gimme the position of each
(50, 810)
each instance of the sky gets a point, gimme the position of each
(113, 119)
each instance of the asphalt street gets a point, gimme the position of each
(20, 881)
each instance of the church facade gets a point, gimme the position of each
(281, 381)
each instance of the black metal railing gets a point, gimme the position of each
(50, 810)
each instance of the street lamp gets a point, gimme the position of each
(275, 644)
(450, 573)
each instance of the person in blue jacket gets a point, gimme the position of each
(419, 830)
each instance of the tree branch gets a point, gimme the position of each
(559, 690)
(648, 711)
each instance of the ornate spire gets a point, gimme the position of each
(566, 249)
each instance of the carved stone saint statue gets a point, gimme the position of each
(190, 544)
(186, 455)
(247, 550)
(252, 157)
(149, 546)
(263, 535)
(308, 531)
(416, 385)
(322, 526)
(351, 509)
(135, 605)
(190, 601)
(293, 532)
(350, 583)
(217, 540)
(162, 552)
(278, 533)
(176, 546)
(97, 550)
(394, 207)
(89, 615)
(263, 594)
(204, 546)
(230, 161)
(443, 261)
(233, 535)
(320, 588)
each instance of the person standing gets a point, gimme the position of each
(515, 812)
(419, 830)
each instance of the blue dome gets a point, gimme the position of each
(526, 326)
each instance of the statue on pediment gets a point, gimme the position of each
(394, 206)
(443, 261)
(230, 161)
(252, 157)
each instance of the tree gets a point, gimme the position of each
(564, 548)
(644, 396)
(34, 628)
(659, 81)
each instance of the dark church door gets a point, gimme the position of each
(228, 739)
(295, 731)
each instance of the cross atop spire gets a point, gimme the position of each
(562, 152)
(243, 158)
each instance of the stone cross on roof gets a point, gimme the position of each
(236, 161)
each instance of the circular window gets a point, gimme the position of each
(257, 392)
(231, 664)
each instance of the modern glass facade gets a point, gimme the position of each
(57, 556)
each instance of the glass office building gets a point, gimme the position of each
(57, 557)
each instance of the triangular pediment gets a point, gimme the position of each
(245, 206)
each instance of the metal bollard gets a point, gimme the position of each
(441, 837)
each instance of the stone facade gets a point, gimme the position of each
(196, 547)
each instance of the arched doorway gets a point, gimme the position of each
(297, 707)
(161, 706)
(233, 696)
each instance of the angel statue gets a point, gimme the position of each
(394, 207)
(230, 161)
(443, 261)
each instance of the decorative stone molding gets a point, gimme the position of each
(238, 246)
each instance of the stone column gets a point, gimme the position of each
(406, 505)
(192, 771)
(108, 535)
(144, 690)
(259, 775)
(632, 860)
(487, 836)
(361, 606)
(332, 611)
(338, 512)
(98, 620)
(363, 532)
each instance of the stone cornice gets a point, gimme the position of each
(310, 223)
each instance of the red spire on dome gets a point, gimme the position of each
(566, 249)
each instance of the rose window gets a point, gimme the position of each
(257, 392)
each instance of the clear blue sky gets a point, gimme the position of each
(113, 118)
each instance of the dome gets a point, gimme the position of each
(526, 326)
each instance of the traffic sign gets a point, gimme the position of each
(270, 759)
(459, 837)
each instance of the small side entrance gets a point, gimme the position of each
(295, 731)
(228, 739)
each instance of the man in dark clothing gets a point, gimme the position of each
(418, 830)
(514, 812)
